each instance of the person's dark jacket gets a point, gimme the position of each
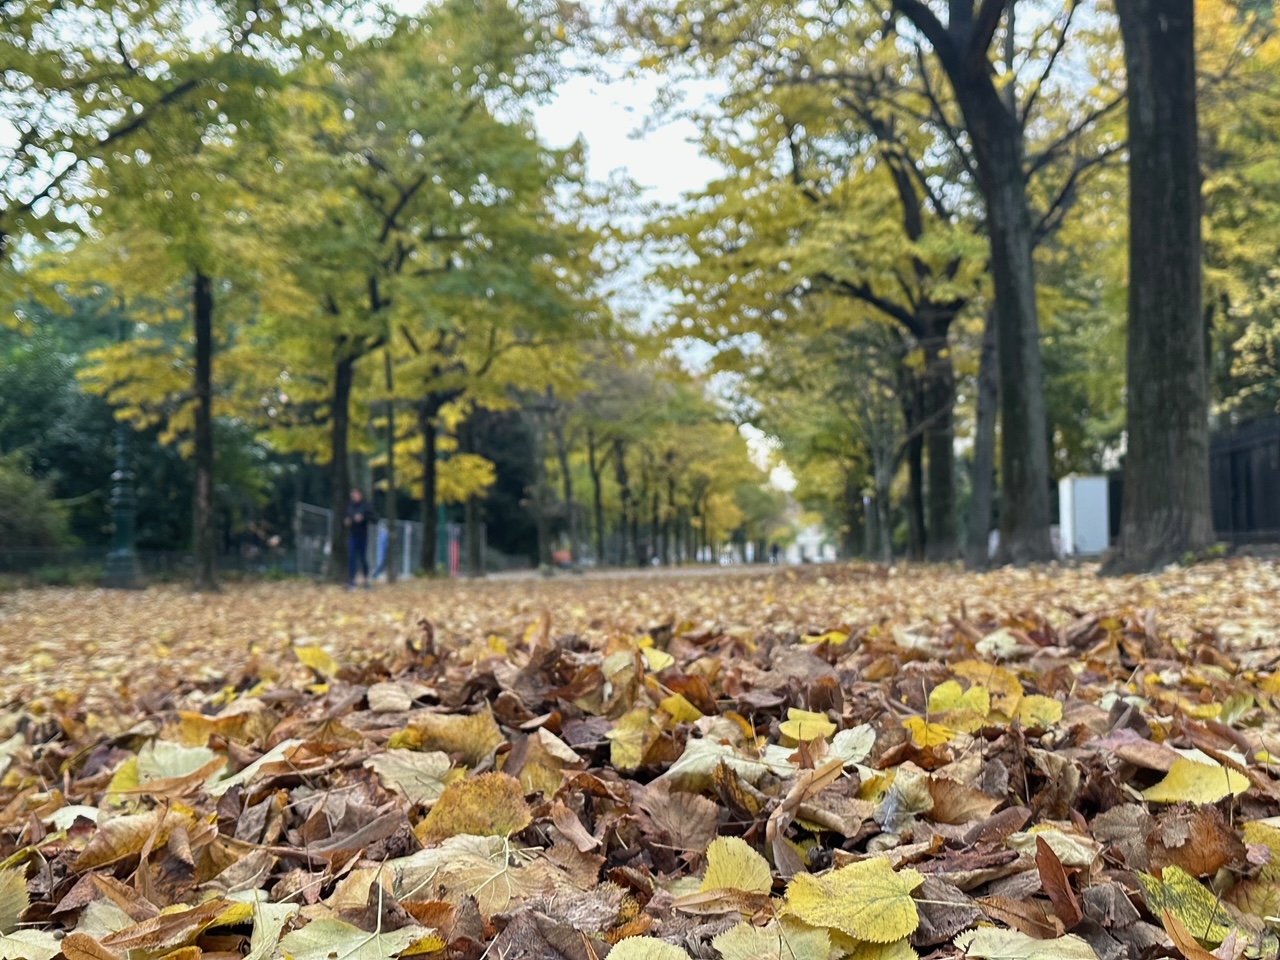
(361, 517)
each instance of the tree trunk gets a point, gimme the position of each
(430, 532)
(202, 532)
(1024, 461)
(1166, 511)
(471, 513)
(668, 547)
(984, 450)
(562, 457)
(996, 134)
(939, 391)
(339, 469)
(655, 522)
(624, 485)
(597, 495)
(389, 514)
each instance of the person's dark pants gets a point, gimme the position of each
(357, 556)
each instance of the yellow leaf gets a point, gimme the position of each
(473, 736)
(787, 939)
(490, 805)
(964, 710)
(657, 660)
(1038, 711)
(1189, 900)
(732, 864)
(337, 940)
(1001, 684)
(680, 709)
(418, 777)
(991, 944)
(865, 900)
(951, 696)
(646, 948)
(546, 757)
(630, 738)
(803, 725)
(925, 734)
(317, 660)
(1189, 781)
(857, 950)
(833, 637)
(14, 898)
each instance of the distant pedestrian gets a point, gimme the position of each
(773, 553)
(359, 517)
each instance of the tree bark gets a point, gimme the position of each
(912, 409)
(939, 390)
(427, 411)
(996, 134)
(984, 451)
(624, 486)
(471, 513)
(566, 485)
(389, 514)
(339, 468)
(202, 516)
(597, 495)
(1166, 511)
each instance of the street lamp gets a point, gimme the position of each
(123, 571)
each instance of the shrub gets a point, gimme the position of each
(29, 518)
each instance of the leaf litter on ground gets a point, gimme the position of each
(838, 762)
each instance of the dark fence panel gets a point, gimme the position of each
(1244, 475)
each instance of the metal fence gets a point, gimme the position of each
(1244, 475)
(402, 551)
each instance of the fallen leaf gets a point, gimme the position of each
(646, 948)
(335, 940)
(1056, 884)
(1189, 781)
(491, 804)
(14, 898)
(733, 864)
(783, 939)
(473, 736)
(418, 777)
(802, 725)
(989, 944)
(925, 734)
(865, 900)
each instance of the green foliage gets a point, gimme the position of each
(28, 515)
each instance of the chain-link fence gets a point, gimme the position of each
(398, 549)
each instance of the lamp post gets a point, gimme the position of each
(123, 571)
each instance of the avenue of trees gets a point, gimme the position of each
(956, 252)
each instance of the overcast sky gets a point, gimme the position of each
(609, 117)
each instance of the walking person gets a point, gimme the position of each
(360, 517)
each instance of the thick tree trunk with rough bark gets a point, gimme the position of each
(202, 516)
(996, 135)
(984, 451)
(339, 469)
(1024, 462)
(1166, 511)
